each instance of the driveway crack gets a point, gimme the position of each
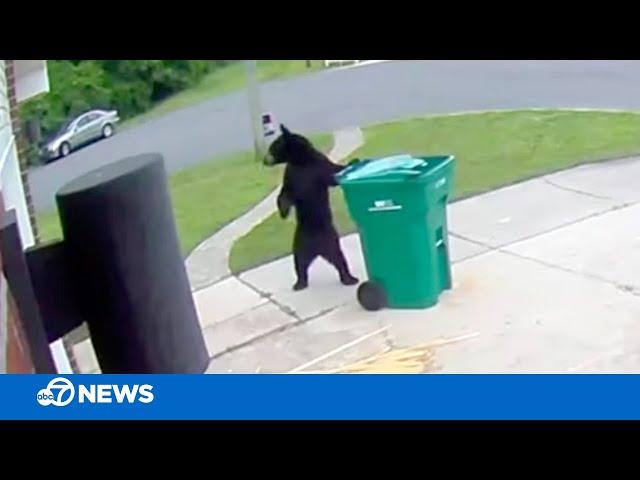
(575, 190)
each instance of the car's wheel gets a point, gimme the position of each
(65, 149)
(107, 130)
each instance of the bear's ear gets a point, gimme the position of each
(285, 131)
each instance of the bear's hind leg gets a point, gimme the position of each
(302, 260)
(333, 254)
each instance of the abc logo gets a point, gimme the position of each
(59, 392)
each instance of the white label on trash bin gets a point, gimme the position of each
(384, 205)
(441, 182)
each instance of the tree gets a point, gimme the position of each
(130, 86)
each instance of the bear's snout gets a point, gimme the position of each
(268, 160)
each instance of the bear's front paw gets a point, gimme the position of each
(284, 205)
(284, 214)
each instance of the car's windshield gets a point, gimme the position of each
(63, 129)
(66, 126)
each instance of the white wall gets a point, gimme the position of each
(31, 78)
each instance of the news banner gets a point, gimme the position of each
(320, 397)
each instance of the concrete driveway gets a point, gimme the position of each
(546, 280)
(331, 100)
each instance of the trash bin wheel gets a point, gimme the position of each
(372, 296)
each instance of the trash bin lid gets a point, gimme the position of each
(397, 167)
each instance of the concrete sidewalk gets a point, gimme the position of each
(546, 279)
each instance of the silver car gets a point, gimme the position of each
(81, 130)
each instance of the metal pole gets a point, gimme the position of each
(255, 109)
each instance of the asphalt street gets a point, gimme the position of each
(332, 99)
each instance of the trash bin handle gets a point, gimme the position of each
(348, 168)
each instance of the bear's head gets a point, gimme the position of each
(290, 148)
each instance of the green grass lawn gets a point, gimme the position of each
(208, 196)
(226, 80)
(492, 149)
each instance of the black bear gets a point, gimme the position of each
(307, 177)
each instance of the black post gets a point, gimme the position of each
(123, 253)
(16, 270)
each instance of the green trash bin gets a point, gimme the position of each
(400, 207)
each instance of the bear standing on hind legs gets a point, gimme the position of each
(308, 176)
